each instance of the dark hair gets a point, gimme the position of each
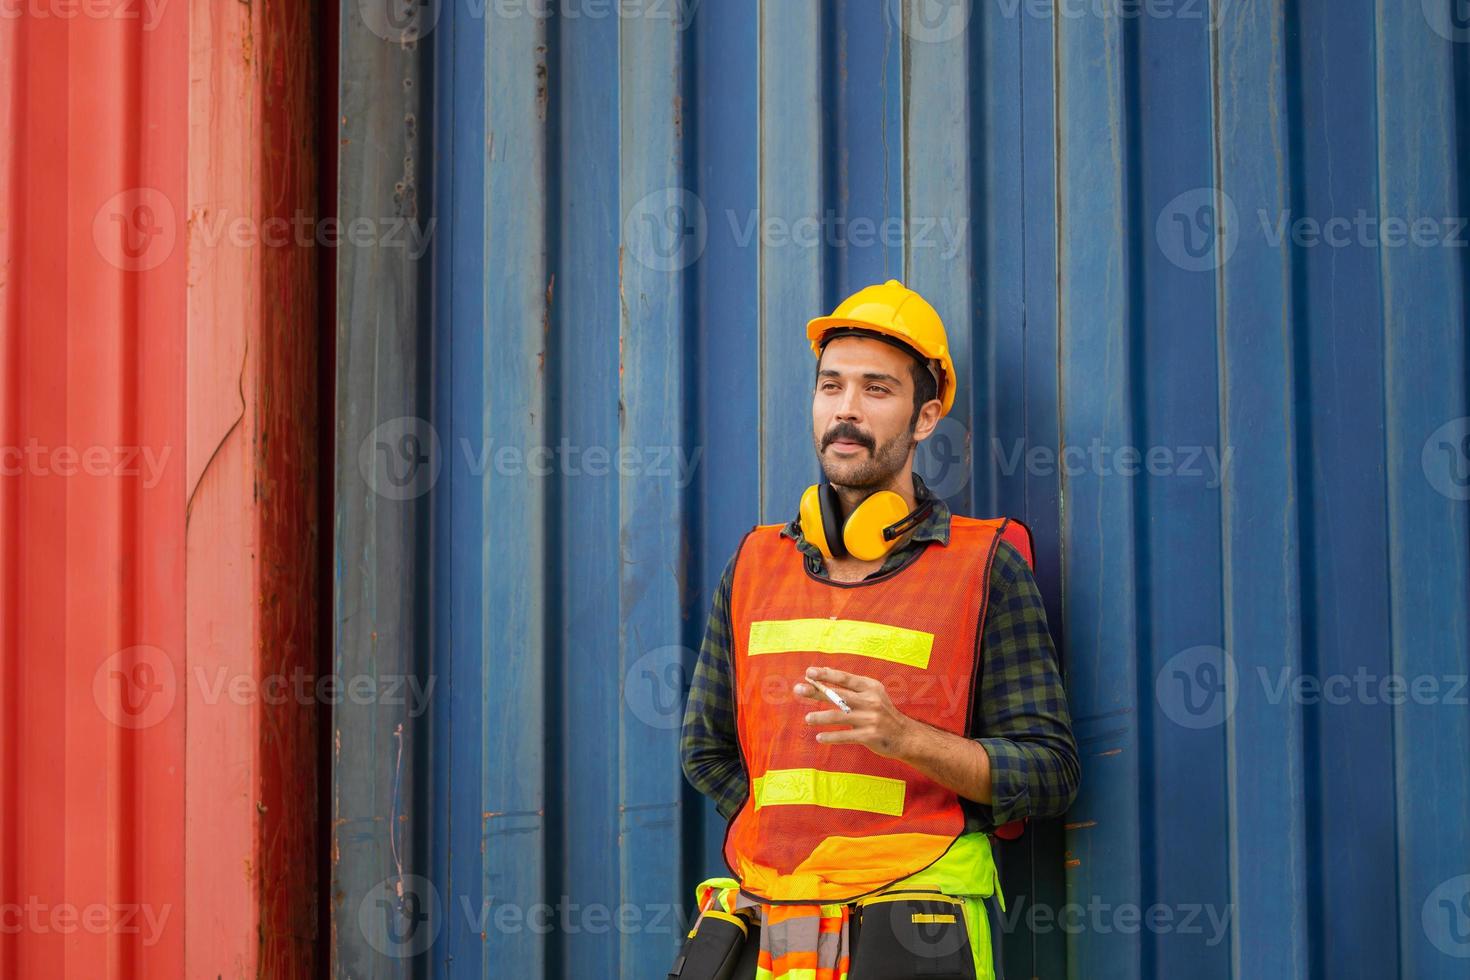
(926, 389)
(926, 385)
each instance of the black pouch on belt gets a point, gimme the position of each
(903, 934)
(712, 948)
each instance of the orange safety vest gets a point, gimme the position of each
(832, 823)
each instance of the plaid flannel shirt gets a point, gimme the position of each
(1021, 716)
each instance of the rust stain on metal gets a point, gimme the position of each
(622, 302)
(1073, 863)
(1109, 752)
(541, 75)
(491, 814)
(545, 327)
(247, 40)
(1079, 825)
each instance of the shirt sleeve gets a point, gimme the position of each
(709, 749)
(1021, 720)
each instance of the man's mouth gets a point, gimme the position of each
(846, 445)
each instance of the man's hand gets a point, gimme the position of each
(956, 763)
(873, 722)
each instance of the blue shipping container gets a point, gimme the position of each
(1203, 265)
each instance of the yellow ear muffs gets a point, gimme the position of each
(813, 526)
(863, 536)
(863, 533)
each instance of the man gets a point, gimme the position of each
(880, 673)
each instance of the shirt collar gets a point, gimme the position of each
(935, 527)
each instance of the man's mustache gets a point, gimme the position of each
(849, 432)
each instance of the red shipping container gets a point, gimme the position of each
(158, 491)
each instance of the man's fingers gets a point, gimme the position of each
(839, 680)
(828, 718)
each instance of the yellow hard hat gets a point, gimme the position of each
(896, 311)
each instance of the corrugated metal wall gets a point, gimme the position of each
(1204, 275)
(158, 491)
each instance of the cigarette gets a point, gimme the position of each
(832, 695)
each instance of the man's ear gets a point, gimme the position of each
(929, 414)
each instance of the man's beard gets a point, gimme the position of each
(873, 473)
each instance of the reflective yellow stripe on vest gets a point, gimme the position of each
(839, 790)
(877, 640)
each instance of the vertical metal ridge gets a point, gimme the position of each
(648, 794)
(1421, 318)
(379, 610)
(1103, 554)
(13, 70)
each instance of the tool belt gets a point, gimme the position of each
(899, 933)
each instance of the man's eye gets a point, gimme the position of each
(878, 388)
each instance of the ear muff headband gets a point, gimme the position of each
(832, 524)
